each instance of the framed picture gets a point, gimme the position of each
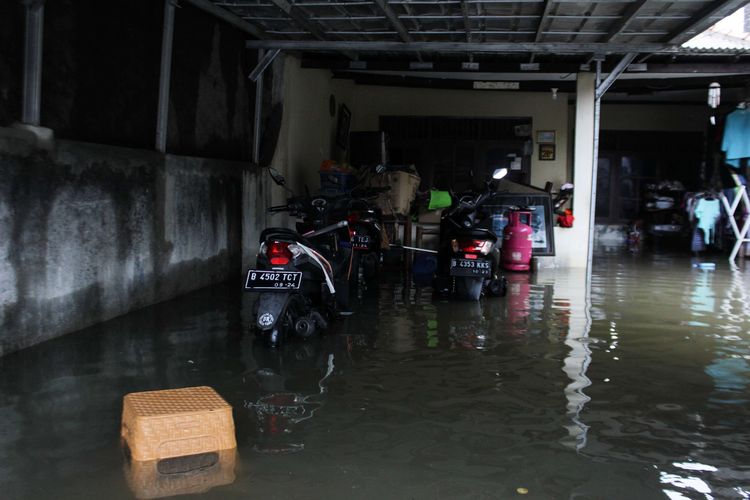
(342, 127)
(546, 152)
(545, 136)
(542, 222)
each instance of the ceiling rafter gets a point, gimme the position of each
(543, 20)
(393, 20)
(630, 13)
(587, 16)
(467, 21)
(299, 18)
(396, 23)
(463, 47)
(704, 19)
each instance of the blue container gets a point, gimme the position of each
(424, 269)
(336, 182)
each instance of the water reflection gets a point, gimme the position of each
(292, 386)
(192, 474)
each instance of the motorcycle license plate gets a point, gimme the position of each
(470, 267)
(273, 280)
(360, 242)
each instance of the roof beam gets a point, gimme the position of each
(703, 20)
(630, 13)
(467, 22)
(543, 20)
(300, 18)
(615, 74)
(463, 47)
(228, 17)
(396, 23)
(674, 70)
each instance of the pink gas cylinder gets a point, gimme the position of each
(516, 254)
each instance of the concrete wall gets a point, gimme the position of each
(89, 232)
(370, 102)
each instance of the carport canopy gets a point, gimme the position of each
(452, 37)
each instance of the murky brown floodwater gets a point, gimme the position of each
(640, 392)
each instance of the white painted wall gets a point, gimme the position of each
(370, 102)
(308, 129)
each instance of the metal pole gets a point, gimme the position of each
(258, 112)
(165, 76)
(595, 167)
(32, 63)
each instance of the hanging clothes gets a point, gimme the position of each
(707, 213)
(736, 142)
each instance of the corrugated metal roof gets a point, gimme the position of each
(607, 26)
(730, 34)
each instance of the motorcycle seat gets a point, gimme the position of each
(475, 232)
(284, 233)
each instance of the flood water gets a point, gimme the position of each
(633, 387)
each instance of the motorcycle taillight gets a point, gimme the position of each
(278, 253)
(352, 217)
(471, 246)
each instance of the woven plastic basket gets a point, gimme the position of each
(176, 422)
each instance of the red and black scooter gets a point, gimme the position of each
(302, 278)
(468, 255)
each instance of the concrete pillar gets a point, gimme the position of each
(165, 76)
(32, 63)
(583, 170)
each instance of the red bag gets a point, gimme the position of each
(567, 219)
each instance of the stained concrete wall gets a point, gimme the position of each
(89, 232)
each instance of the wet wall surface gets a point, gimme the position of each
(89, 232)
(638, 392)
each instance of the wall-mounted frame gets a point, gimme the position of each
(546, 152)
(342, 127)
(545, 136)
(542, 222)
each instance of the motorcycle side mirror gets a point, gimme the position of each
(276, 176)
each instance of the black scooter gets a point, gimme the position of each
(366, 230)
(302, 279)
(468, 255)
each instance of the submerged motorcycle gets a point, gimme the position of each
(301, 278)
(468, 254)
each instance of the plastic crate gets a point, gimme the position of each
(398, 200)
(176, 422)
(337, 182)
(194, 474)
